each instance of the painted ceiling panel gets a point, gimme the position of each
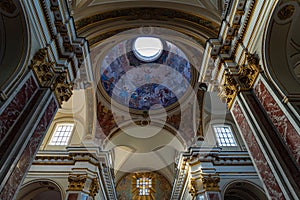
(188, 2)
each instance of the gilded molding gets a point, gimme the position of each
(46, 76)
(42, 68)
(76, 182)
(203, 184)
(94, 187)
(62, 89)
(229, 90)
(192, 187)
(249, 72)
(211, 183)
(242, 81)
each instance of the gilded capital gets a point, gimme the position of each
(249, 72)
(76, 182)
(211, 183)
(94, 187)
(229, 89)
(47, 77)
(242, 80)
(42, 68)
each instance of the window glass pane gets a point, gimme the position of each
(144, 184)
(61, 134)
(224, 135)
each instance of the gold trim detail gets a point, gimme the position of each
(248, 73)
(47, 77)
(76, 182)
(42, 69)
(229, 90)
(211, 183)
(203, 184)
(192, 187)
(62, 89)
(241, 81)
(146, 13)
(94, 187)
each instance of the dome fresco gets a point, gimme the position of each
(144, 85)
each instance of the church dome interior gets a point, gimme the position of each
(149, 100)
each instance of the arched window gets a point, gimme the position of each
(62, 134)
(224, 135)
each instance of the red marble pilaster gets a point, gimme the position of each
(279, 119)
(258, 157)
(73, 195)
(24, 163)
(10, 113)
(214, 196)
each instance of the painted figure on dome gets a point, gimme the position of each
(145, 86)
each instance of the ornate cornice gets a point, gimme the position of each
(181, 178)
(232, 33)
(208, 27)
(69, 47)
(145, 13)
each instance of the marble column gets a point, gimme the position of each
(25, 118)
(205, 187)
(203, 182)
(24, 138)
(270, 147)
(261, 123)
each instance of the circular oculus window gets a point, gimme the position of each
(147, 49)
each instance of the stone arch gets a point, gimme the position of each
(14, 46)
(282, 49)
(42, 189)
(242, 190)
